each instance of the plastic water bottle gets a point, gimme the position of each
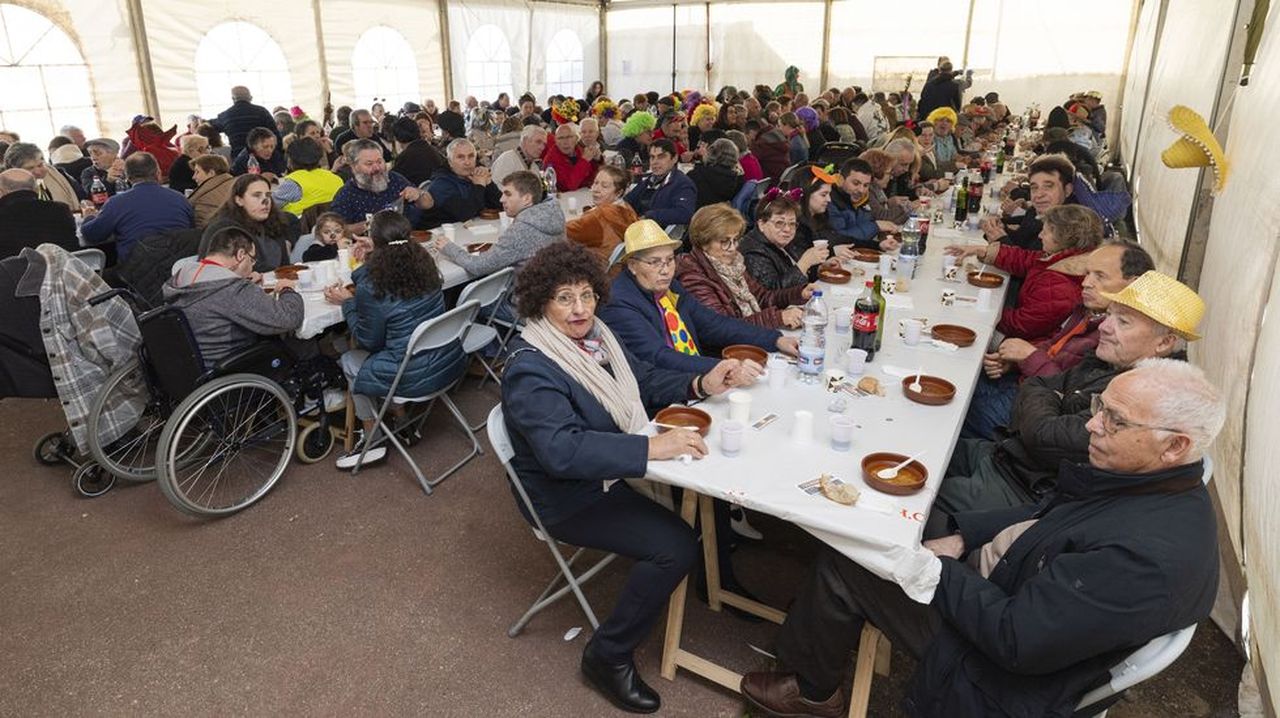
(810, 359)
(550, 179)
(815, 316)
(909, 254)
(252, 166)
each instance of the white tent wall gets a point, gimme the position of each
(753, 43)
(174, 32)
(550, 19)
(1135, 83)
(1188, 69)
(345, 21)
(1240, 350)
(102, 32)
(640, 49)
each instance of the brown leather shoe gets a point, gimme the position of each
(778, 694)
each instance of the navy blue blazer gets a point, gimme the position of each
(635, 318)
(566, 443)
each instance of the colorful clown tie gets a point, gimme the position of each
(680, 339)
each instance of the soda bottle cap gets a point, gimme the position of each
(870, 283)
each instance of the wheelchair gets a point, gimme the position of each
(216, 440)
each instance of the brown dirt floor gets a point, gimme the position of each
(360, 596)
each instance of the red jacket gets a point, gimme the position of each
(680, 146)
(1050, 290)
(750, 167)
(571, 173)
(1066, 347)
(701, 280)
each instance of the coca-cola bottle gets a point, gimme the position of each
(97, 192)
(866, 316)
(637, 167)
(252, 167)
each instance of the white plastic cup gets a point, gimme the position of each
(984, 300)
(802, 427)
(731, 437)
(778, 372)
(821, 244)
(844, 321)
(855, 361)
(573, 204)
(344, 259)
(886, 265)
(740, 406)
(305, 278)
(450, 231)
(841, 432)
(911, 331)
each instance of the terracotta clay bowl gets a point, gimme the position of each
(835, 275)
(910, 479)
(934, 391)
(986, 281)
(684, 416)
(954, 333)
(743, 352)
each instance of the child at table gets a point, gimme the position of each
(331, 235)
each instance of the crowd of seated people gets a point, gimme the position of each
(1087, 416)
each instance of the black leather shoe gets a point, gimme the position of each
(621, 684)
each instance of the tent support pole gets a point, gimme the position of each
(446, 54)
(968, 33)
(603, 11)
(320, 50)
(826, 45)
(142, 53)
(708, 65)
(673, 48)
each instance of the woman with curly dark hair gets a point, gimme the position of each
(396, 289)
(251, 208)
(576, 406)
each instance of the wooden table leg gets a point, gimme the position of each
(675, 608)
(863, 671)
(710, 556)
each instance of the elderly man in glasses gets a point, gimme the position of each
(1036, 602)
(1152, 317)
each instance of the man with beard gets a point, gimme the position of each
(372, 186)
(850, 213)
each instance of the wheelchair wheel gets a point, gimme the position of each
(131, 457)
(314, 443)
(92, 480)
(226, 445)
(52, 449)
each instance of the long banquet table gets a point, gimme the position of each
(880, 532)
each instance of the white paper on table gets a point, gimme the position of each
(899, 301)
(897, 371)
(482, 229)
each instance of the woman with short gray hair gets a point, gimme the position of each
(719, 177)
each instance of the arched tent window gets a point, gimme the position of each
(384, 67)
(488, 63)
(240, 53)
(564, 65)
(45, 79)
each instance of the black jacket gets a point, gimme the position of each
(769, 263)
(151, 260)
(1046, 426)
(1112, 562)
(941, 90)
(715, 184)
(27, 221)
(242, 116)
(419, 160)
(24, 364)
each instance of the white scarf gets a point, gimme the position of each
(617, 392)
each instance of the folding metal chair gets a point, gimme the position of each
(431, 334)
(555, 591)
(490, 292)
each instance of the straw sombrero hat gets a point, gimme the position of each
(1165, 300)
(645, 234)
(1197, 147)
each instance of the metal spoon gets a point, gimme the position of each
(892, 472)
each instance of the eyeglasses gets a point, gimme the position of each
(1112, 424)
(729, 243)
(656, 263)
(567, 299)
(783, 224)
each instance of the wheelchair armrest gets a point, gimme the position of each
(270, 358)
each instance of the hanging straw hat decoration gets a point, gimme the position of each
(1197, 147)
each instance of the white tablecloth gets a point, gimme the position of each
(881, 532)
(321, 315)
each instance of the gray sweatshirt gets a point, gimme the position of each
(228, 312)
(534, 228)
